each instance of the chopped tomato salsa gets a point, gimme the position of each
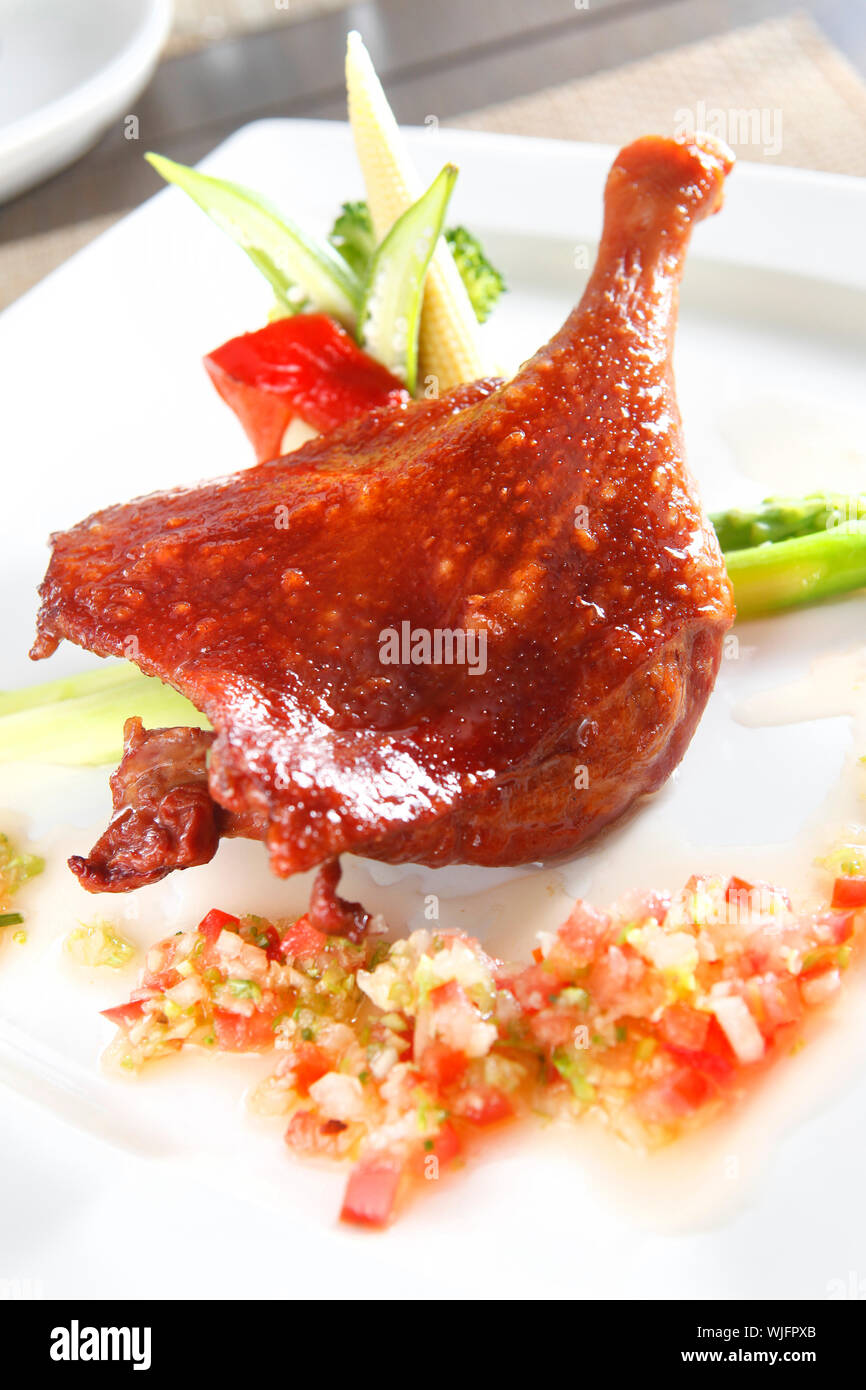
(400, 1055)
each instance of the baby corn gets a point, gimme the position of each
(448, 341)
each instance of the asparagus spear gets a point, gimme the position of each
(783, 518)
(803, 569)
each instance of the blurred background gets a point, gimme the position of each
(87, 85)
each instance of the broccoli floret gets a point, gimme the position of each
(484, 283)
(353, 236)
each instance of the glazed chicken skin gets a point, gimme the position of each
(554, 517)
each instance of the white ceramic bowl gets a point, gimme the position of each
(66, 72)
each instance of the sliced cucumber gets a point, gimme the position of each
(288, 258)
(391, 308)
(78, 720)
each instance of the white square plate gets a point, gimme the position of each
(163, 1186)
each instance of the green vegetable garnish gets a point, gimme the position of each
(846, 859)
(99, 943)
(784, 518)
(299, 269)
(16, 867)
(484, 283)
(572, 1067)
(771, 578)
(10, 919)
(573, 997)
(353, 236)
(391, 309)
(244, 989)
(79, 720)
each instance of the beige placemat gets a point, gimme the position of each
(780, 84)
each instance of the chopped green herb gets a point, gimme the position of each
(244, 989)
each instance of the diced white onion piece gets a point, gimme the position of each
(821, 988)
(296, 433)
(739, 1027)
(458, 1025)
(187, 993)
(339, 1097)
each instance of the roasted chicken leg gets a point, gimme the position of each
(551, 522)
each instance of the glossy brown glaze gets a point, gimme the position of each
(554, 514)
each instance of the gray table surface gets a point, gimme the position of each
(434, 56)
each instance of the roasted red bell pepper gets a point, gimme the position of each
(305, 366)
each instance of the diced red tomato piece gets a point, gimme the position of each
(656, 905)
(306, 365)
(444, 1146)
(841, 925)
(735, 887)
(714, 1059)
(553, 1027)
(267, 938)
(702, 1061)
(483, 1105)
(125, 1014)
(216, 921)
(676, 1096)
(536, 987)
(441, 1065)
(371, 1192)
(749, 898)
(302, 940)
(691, 1088)
(684, 1027)
(447, 993)
(849, 892)
(582, 934)
(274, 946)
(158, 981)
(309, 1062)
(613, 974)
(240, 1033)
(779, 1003)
